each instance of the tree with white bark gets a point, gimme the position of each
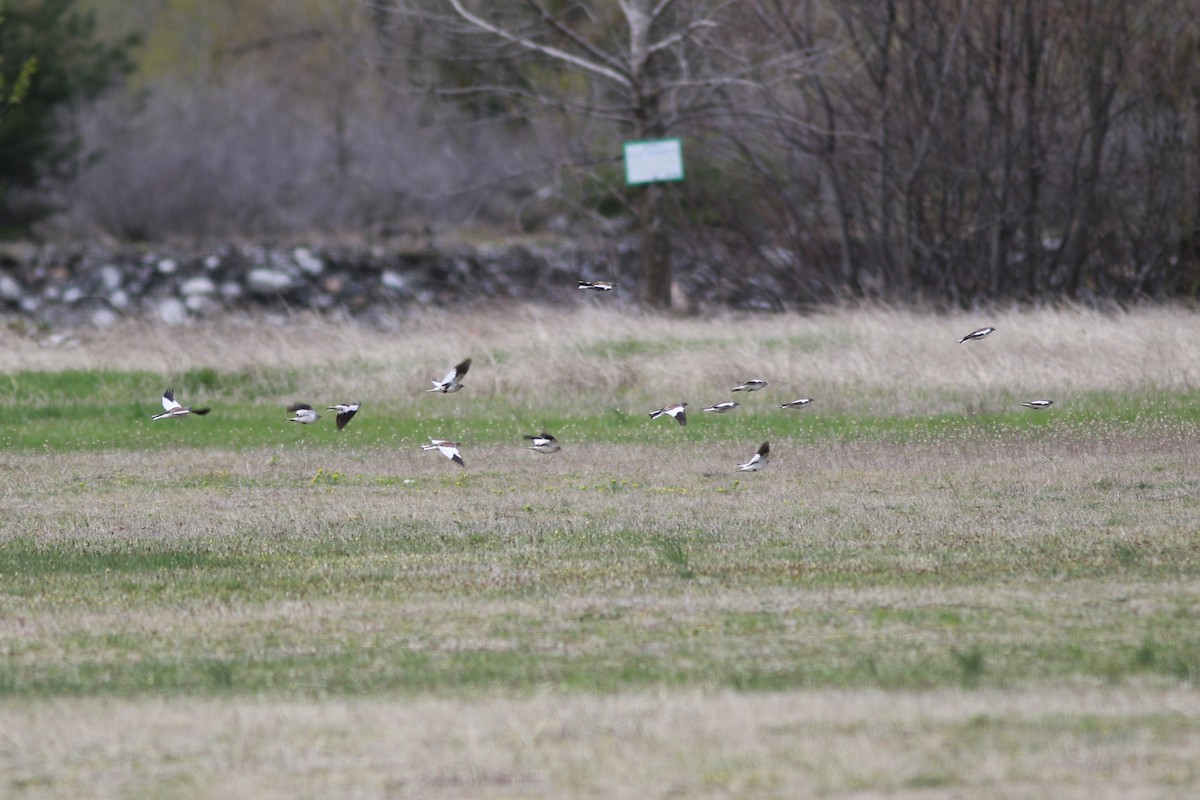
(642, 69)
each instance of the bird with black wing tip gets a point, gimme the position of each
(447, 448)
(304, 413)
(172, 408)
(453, 380)
(345, 413)
(542, 443)
(675, 411)
(758, 460)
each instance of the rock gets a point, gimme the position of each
(268, 281)
(393, 280)
(199, 285)
(167, 266)
(172, 312)
(201, 304)
(10, 290)
(111, 277)
(307, 262)
(231, 290)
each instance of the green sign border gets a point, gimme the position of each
(625, 154)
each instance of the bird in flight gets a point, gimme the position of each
(173, 409)
(543, 443)
(453, 380)
(749, 386)
(978, 333)
(597, 286)
(447, 448)
(1038, 405)
(758, 461)
(345, 412)
(801, 403)
(721, 408)
(675, 410)
(305, 414)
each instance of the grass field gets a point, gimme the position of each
(930, 592)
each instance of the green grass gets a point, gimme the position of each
(882, 591)
(106, 410)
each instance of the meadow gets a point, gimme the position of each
(929, 592)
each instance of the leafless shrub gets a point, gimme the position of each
(247, 158)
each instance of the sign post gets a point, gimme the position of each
(653, 161)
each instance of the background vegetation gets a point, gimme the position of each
(900, 149)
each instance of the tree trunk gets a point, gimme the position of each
(656, 248)
(648, 124)
(1035, 278)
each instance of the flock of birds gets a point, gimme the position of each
(678, 412)
(545, 443)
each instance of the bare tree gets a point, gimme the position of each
(644, 70)
(971, 150)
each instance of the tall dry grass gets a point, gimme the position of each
(1084, 744)
(877, 360)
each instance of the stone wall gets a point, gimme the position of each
(90, 284)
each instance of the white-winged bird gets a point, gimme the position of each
(453, 380)
(543, 443)
(758, 461)
(173, 409)
(675, 410)
(345, 412)
(447, 448)
(305, 414)
(978, 333)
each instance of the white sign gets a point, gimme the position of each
(653, 161)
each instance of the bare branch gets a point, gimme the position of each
(700, 24)
(546, 50)
(676, 38)
(661, 8)
(622, 114)
(571, 34)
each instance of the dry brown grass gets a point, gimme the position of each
(880, 361)
(1086, 743)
